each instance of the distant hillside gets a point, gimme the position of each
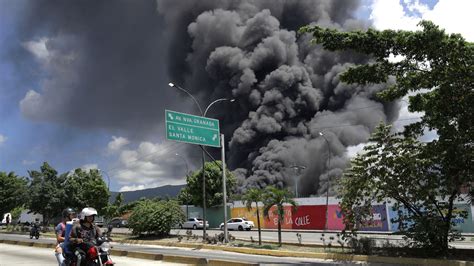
(162, 192)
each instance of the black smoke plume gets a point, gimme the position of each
(108, 65)
(288, 91)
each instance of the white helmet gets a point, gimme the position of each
(88, 211)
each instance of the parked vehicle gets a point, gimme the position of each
(193, 223)
(238, 224)
(118, 222)
(99, 221)
(96, 252)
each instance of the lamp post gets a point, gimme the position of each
(327, 189)
(187, 172)
(297, 169)
(108, 178)
(185, 162)
(203, 154)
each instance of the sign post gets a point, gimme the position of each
(198, 130)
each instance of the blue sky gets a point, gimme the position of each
(26, 142)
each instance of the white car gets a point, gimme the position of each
(193, 223)
(238, 224)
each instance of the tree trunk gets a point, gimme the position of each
(447, 226)
(259, 231)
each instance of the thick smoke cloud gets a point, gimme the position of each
(111, 58)
(288, 90)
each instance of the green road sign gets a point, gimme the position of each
(192, 129)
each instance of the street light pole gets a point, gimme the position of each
(297, 169)
(203, 155)
(185, 162)
(203, 164)
(108, 178)
(187, 172)
(327, 189)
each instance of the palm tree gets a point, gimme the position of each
(277, 197)
(254, 195)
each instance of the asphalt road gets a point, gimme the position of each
(20, 255)
(199, 253)
(309, 237)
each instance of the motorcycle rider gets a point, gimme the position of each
(35, 228)
(84, 233)
(68, 215)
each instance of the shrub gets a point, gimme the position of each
(155, 217)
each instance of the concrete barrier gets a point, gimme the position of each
(143, 255)
(229, 263)
(183, 259)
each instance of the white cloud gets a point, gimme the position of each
(150, 165)
(453, 16)
(28, 162)
(38, 48)
(52, 95)
(353, 151)
(117, 143)
(2, 139)
(32, 104)
(90, 166)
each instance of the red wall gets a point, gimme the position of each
(305, 217)
(309, 217)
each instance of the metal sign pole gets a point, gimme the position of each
(226, 239)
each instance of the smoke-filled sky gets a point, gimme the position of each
(84, 84)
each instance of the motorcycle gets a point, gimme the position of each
(94, 253)
(35, 231)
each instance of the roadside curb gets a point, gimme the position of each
(143, 255)
(325, 256)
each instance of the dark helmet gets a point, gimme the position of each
(67, 212)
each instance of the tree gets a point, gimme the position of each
(214, 193)
(155, 217)
(392, 166)
(13, 192)
(254, 195)
(273, 196)
(436, 68)
(86, 189)
(115, 209)
(46, 192)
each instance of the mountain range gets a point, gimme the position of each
(162, 192)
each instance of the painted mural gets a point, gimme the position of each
(250, 215)
(312, 217)
(272, 221)
(377, 221)
(335, 218)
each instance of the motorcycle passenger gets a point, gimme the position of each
(84, 233)
(68, 214)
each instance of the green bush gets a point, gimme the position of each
(155, 217)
